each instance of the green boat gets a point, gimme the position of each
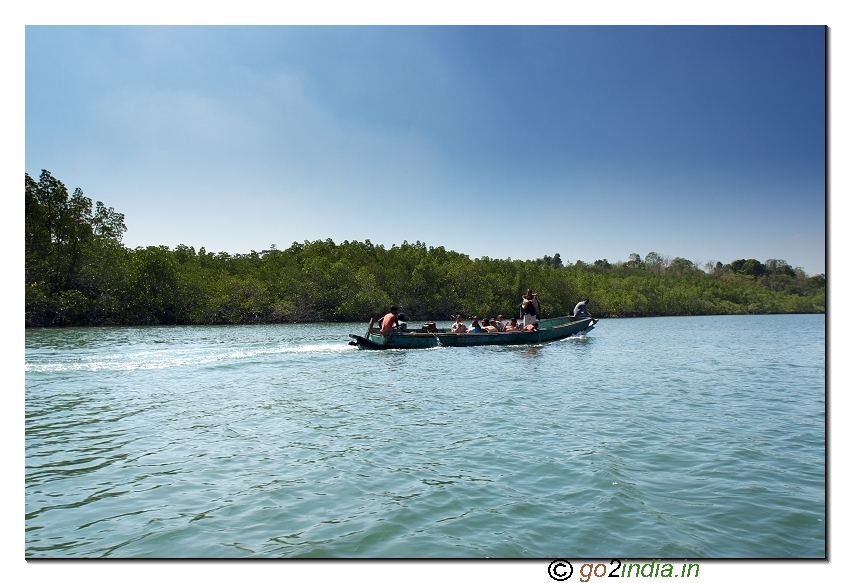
(549, 329)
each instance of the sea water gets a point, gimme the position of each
(655, 437)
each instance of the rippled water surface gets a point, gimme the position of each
(661, 437)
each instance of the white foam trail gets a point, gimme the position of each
(159, 359)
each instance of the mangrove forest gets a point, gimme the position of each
(79, 273)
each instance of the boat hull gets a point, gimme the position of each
(550, 329)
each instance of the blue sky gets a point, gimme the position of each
(593, 142)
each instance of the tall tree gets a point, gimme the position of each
(68, 246)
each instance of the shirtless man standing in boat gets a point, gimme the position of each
(389, 323)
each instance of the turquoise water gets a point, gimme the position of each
(658, 437)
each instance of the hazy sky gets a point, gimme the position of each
(593, 142)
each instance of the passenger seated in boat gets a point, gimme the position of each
(580, 311)
(512, 326)
(487, 326)
(459, 327)
(499, 322)
(402, 323)
(530, 327)
(475, 327)
(389, 323)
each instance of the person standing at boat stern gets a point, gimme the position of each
(580, 311)
(389, 323)
(529, 309)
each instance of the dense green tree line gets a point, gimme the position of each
(79, 273)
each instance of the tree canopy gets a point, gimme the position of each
(79, 273)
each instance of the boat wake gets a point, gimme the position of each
(161, 359)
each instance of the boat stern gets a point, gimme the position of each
(368, 343)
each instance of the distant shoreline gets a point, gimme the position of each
(365, 322)
(78, 273)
